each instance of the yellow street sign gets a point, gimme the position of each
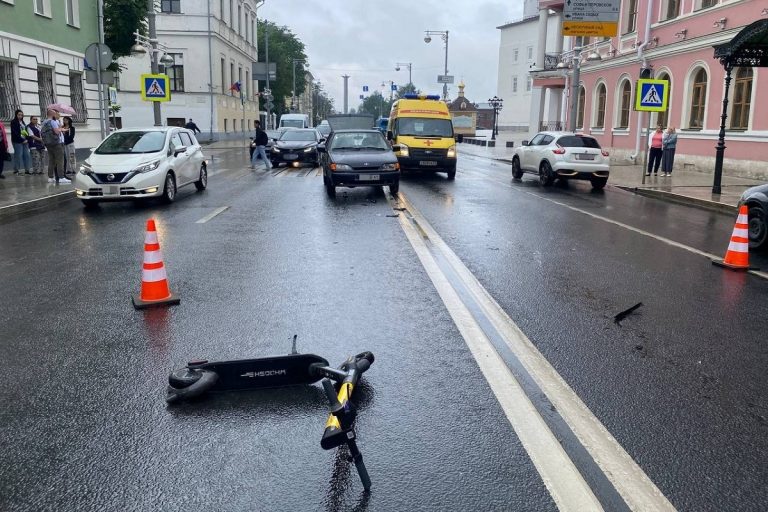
(590, 28)
(651, 95)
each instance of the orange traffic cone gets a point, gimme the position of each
(737, 255)
(154, 281)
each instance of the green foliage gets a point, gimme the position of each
(407, 89)
(376, 105)
(121, 19)
(284, 47)
(323, 104)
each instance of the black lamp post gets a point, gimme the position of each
(496, 104)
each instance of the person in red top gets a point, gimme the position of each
(655, 150)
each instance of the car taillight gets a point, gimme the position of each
(559, 151)
(604, 152)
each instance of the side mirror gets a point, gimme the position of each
(321, 148)
(179, 150)
(460, 138)
(390, 135)
(524, 143)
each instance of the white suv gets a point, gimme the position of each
(137, 163)
(562, 155)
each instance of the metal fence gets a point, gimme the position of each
(551, 126)
(8, 100)
(46, 94)
(78, 98)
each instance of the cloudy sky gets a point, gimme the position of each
(365, 38)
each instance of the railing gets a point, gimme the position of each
(551, 60)
(551, 126)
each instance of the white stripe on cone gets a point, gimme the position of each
(741, 232)
(153, 257)
(738, 246)
(153, 275)
(151, 237)
(742, 219)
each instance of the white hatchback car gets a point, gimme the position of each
(138, 163)
(562, 155)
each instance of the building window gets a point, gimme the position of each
(580, 107)
(225, 125)
(73, 13)
(631, 16)
(239, 20)
(706, 4)
(253, 31)
(231, 78)
(43, 8)
(626, 105)
(46, 94)
(8, 100)
(240, 79)
(742, 96)
(176, 72)
(223, 77)
(247, 38)
(528, 84)
(247, 85)
(600, 104)
(516, 54)
(698, 100)
(221, 10)
(530, 53)
(672, 9)
(170, 6)
(514, 84)
(662, 118)
(78, 97)
(231, 15)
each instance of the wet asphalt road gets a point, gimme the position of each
(680, 384)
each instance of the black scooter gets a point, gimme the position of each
(201, 377)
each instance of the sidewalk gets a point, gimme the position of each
(692, 188)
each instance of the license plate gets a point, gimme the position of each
(110, 191)
(427, 163)
(368, 177)
(291, 156)
(585, 157)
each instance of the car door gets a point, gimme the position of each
(180, 162)
(528, 157)
(540, 152)
(195, 155)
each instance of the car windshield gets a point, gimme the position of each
(299, 135)
(419, 127)
(132, 142)
(358, 141)
(577, 141)
(292, 123)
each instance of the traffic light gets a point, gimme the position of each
(646, 73)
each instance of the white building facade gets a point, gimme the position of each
(213, 44)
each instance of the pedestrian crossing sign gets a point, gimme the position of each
(651, 95)
(154, 87)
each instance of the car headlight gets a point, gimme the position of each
(85, 168)
(340, 167)
(390, 167)
(309, 149)
(151, 166)
(403, 150)
(452, 152)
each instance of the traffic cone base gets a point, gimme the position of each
(154, 280)
(737, 254)
(172, 300)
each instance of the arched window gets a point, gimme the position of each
(625, 105)
(580, 107)
(698, 100)
(662, 118)
(600, 107)
(742, 96)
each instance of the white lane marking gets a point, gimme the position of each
(568, 488)
(634, 486)
(662, 239)
(212, 215)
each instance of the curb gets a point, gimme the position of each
(35, 204)
(681, 199)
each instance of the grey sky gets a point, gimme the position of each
(365, 38)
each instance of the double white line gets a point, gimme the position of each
(566, 484)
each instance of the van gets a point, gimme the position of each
(294, 121)
(421, 132)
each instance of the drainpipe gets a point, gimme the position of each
(644, 64)
(211, 97)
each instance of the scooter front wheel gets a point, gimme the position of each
(188, 383)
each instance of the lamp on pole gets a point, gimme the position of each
(428, 39)
(293, 92)
(409, 66)
(496, 103)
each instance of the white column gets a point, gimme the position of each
(541, 50)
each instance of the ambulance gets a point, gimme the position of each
(421, 133)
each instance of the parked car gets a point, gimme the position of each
(296, 147)
(138, 163)
(562, 155)
(756, 199)
(352, 158)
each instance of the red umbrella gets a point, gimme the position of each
(62, 108)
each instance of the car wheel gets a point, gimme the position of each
(394, 188)
(758, 227)
(517, 171)
(598, 183)
(452, 174)
(90, 203)
(330, 188)
(546, 177)
(202, 183)
(169, 191)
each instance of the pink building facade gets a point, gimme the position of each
(675, 39)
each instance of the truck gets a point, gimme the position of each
(294, 121)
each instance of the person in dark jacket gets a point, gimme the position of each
(260, 140)
(19, 134)
(70, 160)
(192, 126)
(669, 143)
(36, 146)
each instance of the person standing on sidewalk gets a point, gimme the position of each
(36, 147)
(70, 160)
(261, 140)
(53, 138)
(20, 148)
(3, 149)
(669, 144)
(655, 147)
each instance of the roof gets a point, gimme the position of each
(527, 19)
(748, 48)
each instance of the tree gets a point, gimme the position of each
(121, 19)
(323, 104)
(376, 105)
(407, 89)
(284, 48)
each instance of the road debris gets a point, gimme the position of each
(621, 316)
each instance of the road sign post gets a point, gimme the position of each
(591, 18)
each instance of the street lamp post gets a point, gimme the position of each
(154, 47)
(428, 39)
(409, 66)
(496, 103)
